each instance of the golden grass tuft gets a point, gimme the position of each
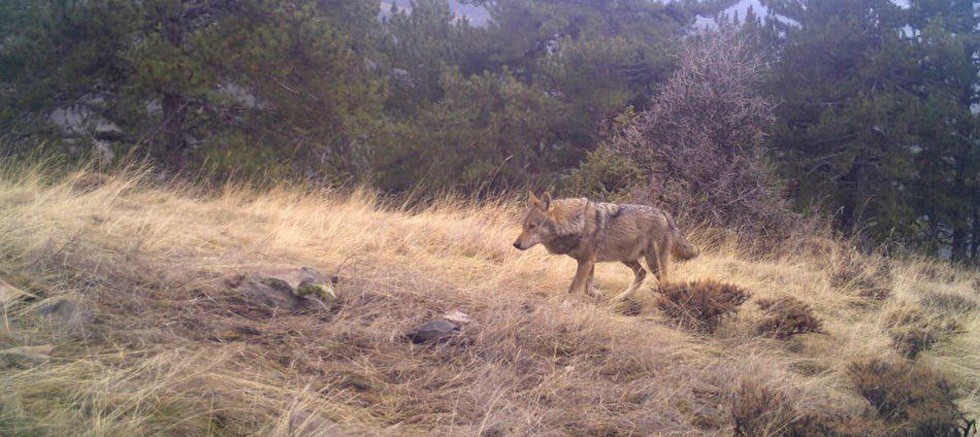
(172, 349)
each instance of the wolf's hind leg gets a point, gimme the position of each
(640, 275)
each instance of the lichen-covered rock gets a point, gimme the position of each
(290, 289)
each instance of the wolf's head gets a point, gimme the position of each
(539, 223)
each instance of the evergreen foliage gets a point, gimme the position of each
(875, 119)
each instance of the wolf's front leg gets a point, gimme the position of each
(582, 277)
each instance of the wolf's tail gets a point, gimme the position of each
(681, 248)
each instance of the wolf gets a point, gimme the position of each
(592, 232)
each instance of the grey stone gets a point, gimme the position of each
(289, 289)
(433, 331)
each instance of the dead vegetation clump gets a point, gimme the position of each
(758, 411)
(936, 272)
(785, 317)
(917, 400)
(942, 302)
(700, 305)
(912, 330)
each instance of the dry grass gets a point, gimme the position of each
(913, 330)
(171, 349)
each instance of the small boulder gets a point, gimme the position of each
(290, 289)
(274, 295)
(25, 356)
(433, 331)
(305, 282)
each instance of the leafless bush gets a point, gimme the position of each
(948, 303)
(786, 316)
(913, 330)
(700, 305)
(918, 399)
(758, 410)
(701, 143)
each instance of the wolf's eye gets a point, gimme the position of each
(532, 226)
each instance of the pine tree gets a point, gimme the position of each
(843, 78)
(945, 43)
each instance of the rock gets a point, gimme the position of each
(457, 317)
(67, 315)
(9, 293)
(306, 424)
(289, 289)
(25, 356)
(276, 295)
(433, 331)
(305, 281)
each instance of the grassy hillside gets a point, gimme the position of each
(161, 344)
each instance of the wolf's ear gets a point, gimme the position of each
(545, 201)
(533, 200)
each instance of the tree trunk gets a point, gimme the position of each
(174, 101)
(975, 243)
(960, 221)
(175, 144)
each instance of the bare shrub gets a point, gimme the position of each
(758, 410)
(785, 317)
(918, 399)
(700, 305)
(701, 144)
(947, 302)
(913, 330)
